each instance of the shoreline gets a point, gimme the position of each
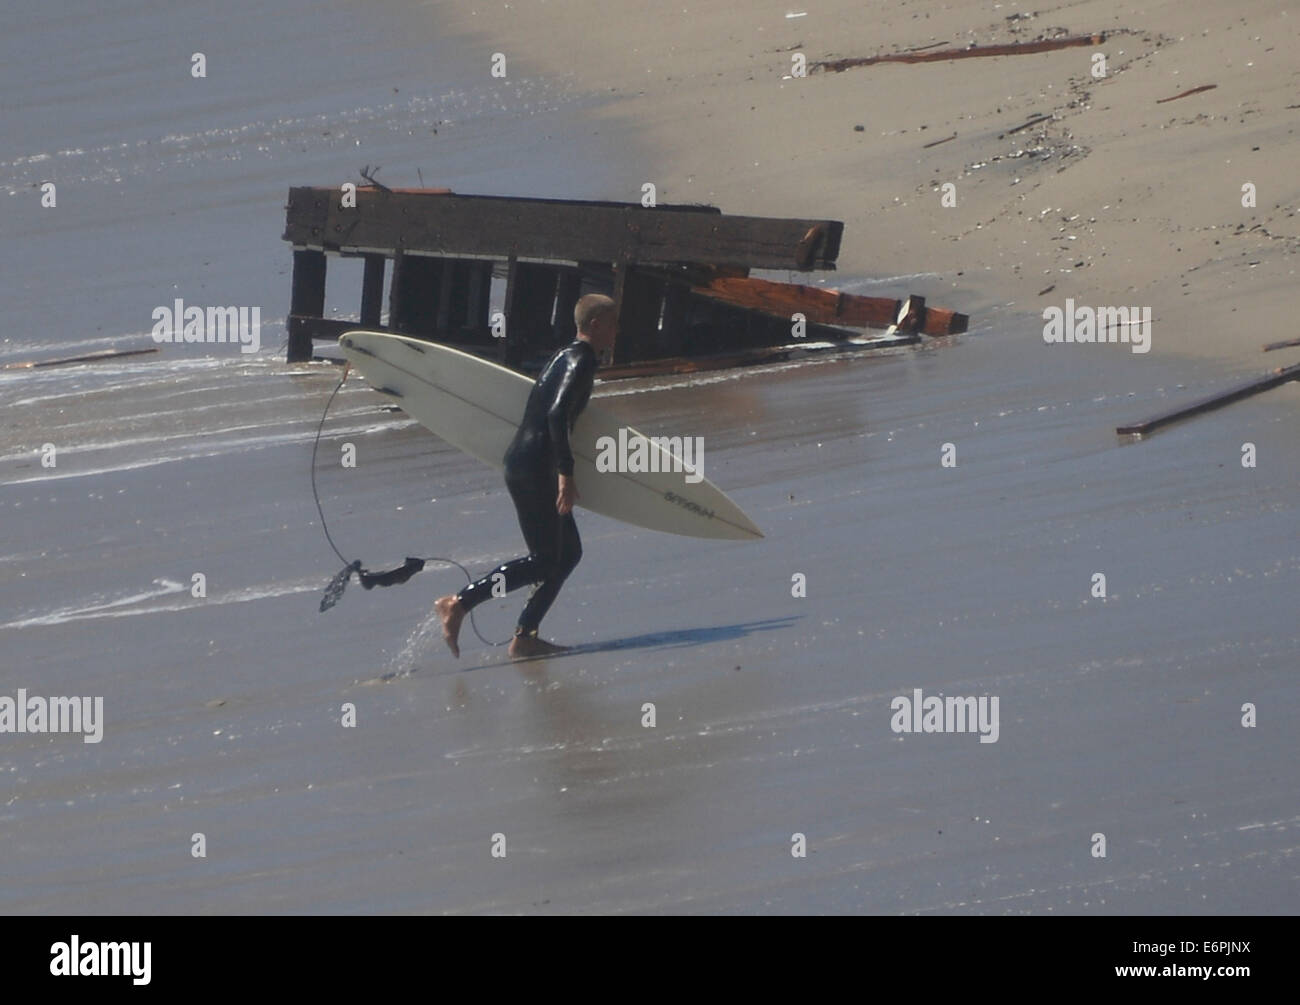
(1036, 209)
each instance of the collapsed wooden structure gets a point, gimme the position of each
(679, 274)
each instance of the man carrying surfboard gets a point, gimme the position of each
(539, 477)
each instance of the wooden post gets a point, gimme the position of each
(306, 301)
(565, 300)
(479, 297)
(672, 337)
(395, 292)
(639, 299)
(413, 305)
(372, 290)
(530, 301)
(442, 321)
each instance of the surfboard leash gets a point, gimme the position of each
(368, 579)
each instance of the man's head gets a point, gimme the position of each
(596, 317)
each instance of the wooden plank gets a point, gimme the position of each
(1025, 125)
(941, 321)
(826, 306)
(1147, 426)
(92, 357)
(970, 52)
(1188, 93)
(306, 298)
(816, 304)
(492, 226)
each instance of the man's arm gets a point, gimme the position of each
(575, 387)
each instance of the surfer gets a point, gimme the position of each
(539, 477)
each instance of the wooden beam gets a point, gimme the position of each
(93, 357)
(1188, 93)
(492, 226)
(306, 298)
(825, 306)
(970, 52)
(1214, 401)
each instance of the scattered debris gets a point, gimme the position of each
(94, 357)
(935, 143)
(917, 56)
(1194, 90)
(1025, 125)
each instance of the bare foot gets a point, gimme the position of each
(527, 647)
(452, 613)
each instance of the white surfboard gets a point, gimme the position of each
(477, 406)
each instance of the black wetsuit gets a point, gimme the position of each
(537, 455)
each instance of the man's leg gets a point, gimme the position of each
(533, 494)
(562, 560)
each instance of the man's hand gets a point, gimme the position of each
(568, 493)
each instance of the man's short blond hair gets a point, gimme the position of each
(590, 307)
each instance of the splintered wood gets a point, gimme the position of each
(971, 52)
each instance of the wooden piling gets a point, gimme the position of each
(566, 298)
(372, 290)
(306, 301)
(638, 297)
(530, 303)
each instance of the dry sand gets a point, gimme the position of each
(1117, 200)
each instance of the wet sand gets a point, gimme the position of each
(1119, 716)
